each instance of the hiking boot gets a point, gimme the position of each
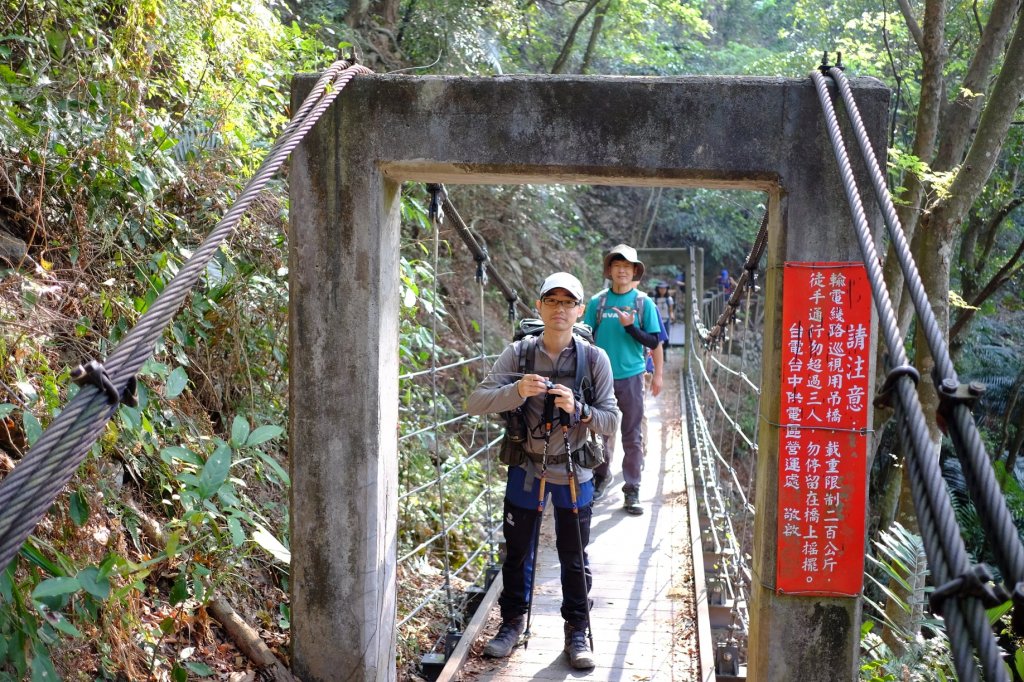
(507, 638)
(578, 648)
(600, 485)
(631, 500)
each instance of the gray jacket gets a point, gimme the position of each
(498, 393)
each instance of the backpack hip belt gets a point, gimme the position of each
(587, 456)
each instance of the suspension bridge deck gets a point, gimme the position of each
(644, 615)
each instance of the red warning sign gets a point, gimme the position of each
(826, 353)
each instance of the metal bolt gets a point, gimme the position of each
(949, 385)
(976, 388)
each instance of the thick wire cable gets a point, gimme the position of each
(28, 491)
(981, 481)
(489, 462)
(452, 617)
(480, 253)
(948, 558)
(746, 279)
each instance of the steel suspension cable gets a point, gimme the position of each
(707, 456)
(28, 491)
(947, 557)
(746, 279)
(479, 252)
(481, 279)
(452, 618)
(750, 444)
(985, 491)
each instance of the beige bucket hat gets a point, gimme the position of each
(628, 253)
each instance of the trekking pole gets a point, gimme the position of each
(548, 410)
(573, 481)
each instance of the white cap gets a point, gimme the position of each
(563, 280)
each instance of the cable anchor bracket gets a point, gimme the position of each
(976, 582)
(953, 394)
(437, 196)
(93, 373)
(884, 397)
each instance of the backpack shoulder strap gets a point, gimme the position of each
(527, 354)
(602, 303)
(582, 354)
(638, 304)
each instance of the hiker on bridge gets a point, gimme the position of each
(666, 310)
(541, 459)
(625, 323)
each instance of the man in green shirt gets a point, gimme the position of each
(624, 326)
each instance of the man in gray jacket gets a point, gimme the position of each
(541, 395)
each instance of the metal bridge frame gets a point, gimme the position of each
(764, 134)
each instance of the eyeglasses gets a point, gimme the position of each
(549, 302)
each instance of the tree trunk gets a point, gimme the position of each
(960, 116)
(357, 11)
(933, 57)
(360, 10)
(1015, 448)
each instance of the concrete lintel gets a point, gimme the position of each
(668, 256)
(475, 174)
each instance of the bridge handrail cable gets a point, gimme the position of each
(981, 482)
(27, 493)
(965, 617)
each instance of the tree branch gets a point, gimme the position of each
(1004, 275)
(248, 641)
(988, 142)
(595, 31)
(960, 116)
(991, 228)
(912, 25)
(570, 40)
(926, 126)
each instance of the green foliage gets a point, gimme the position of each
(723, 223)
(126, 130)
(900, 561)
(638, 36)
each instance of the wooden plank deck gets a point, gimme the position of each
(644, 615)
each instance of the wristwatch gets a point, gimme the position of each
(584, 412)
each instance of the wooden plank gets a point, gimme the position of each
(476, 623)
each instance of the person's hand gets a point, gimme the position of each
(656, 385)
(563, 398)
(626, 317)
(531, 385)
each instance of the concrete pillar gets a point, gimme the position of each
(343, 393)
(688, 303)
(699, 254)
(764, 134)
(801, 637)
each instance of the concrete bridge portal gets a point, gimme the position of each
(765, 134)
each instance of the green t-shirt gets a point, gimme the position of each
(625, 352)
